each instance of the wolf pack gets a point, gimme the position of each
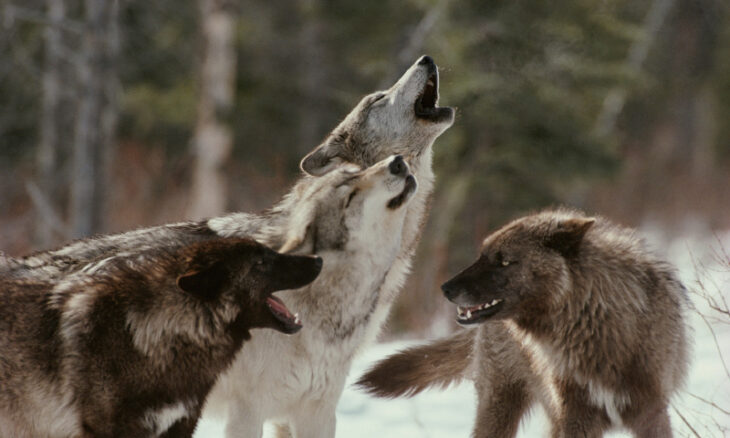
(141, 333)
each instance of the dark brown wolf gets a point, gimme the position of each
(131, 345)
(574, 314)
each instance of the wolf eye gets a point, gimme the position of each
(352, 195)
(501, 261)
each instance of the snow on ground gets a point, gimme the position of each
(450, 413)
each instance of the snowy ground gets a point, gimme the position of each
(450, 413)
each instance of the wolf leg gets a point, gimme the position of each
(653, 425)
(503, 380)
(499, 411)
(244, 420)
(580, 417)
(315, 421)
(282, 430)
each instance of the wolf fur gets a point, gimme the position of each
(130, 346)
(574, 314)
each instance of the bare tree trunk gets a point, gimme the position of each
(47, 158)
(92, 139)
(213, 138)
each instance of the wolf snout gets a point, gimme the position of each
(398, 166)
(316, 264)
(449, 291)
(296, 271)
(454, 292)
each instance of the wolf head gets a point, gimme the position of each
(404, 119)
(346, 203)
(522, 266)
(245, 273)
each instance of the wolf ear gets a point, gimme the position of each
(205, 283)
(568, 234)
(322, 159)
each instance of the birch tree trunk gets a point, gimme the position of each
(213, 139)
(95, 116)
(47, 155)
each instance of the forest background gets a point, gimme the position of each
(121, 114)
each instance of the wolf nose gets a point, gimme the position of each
(398, 166)
(448, 290)
(426, 60)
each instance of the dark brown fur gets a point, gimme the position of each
(585, 321)
(137, 334)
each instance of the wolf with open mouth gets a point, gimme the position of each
(574, 313)
(130, 346)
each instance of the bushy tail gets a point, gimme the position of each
(408, 372)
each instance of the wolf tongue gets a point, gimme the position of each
(278, 306)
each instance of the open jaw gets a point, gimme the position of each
(288, 323)
(425, 106)
(402, 197)
(474, 314)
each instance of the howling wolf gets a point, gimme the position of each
(130, 346)
(405, 120)
(575, 314)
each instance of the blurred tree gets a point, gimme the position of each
(668, 129)
(49, 227)
(213, 139)
(96, 117)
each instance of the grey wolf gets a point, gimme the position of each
(297, 381)
(405, 120)
(130, 346)
(574, 314)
